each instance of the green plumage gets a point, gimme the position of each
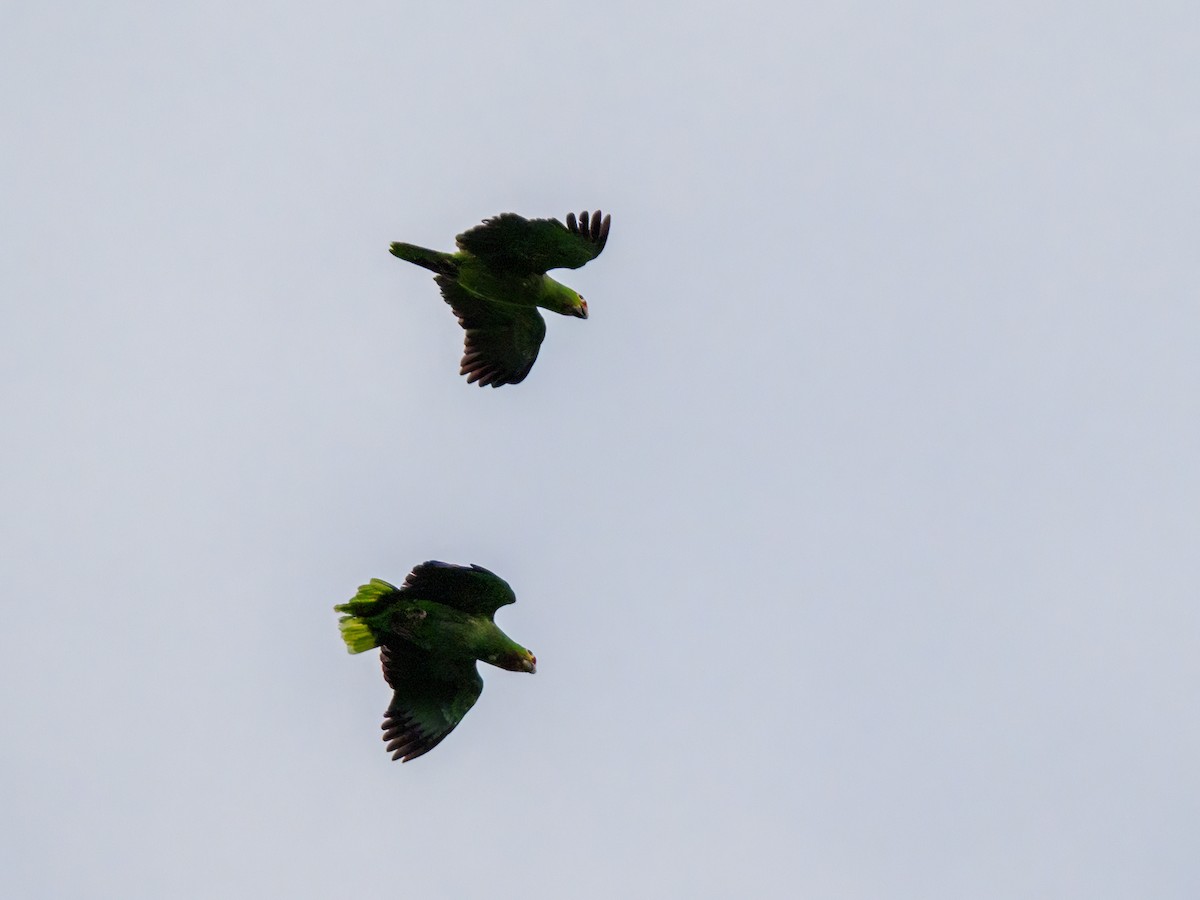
(431, 631)
(497, 280)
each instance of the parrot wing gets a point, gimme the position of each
(431, 696)
(514, 245)
(502, 340)
(470, 589)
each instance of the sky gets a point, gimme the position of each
(855, 531)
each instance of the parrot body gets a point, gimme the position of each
(497, 280)
(431, 631)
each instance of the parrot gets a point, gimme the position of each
(497, 280)
(431, 631)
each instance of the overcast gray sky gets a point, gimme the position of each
(855, 532)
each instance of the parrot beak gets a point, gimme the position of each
(581, 309)
(531, 664)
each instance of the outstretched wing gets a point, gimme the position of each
(515, 245)
(502, 340)
(431, 697)
(471, 589)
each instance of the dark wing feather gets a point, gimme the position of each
(502, 340)
(470, 589)
(519, 246)
(431, 697)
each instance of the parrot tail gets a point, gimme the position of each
(442, 263)
(355, 625)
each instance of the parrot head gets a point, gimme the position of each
(561, 299)
(515, 661)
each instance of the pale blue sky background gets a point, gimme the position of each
(855, 531)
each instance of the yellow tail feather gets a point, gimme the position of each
(355, 631)
(357, 634)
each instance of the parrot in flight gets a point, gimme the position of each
(497, 280)
(430, 632)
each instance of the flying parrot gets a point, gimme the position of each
(430, 632)
(497, 280)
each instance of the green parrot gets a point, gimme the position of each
(430, 631)
(497, 280)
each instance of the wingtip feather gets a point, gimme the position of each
(592, 227)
